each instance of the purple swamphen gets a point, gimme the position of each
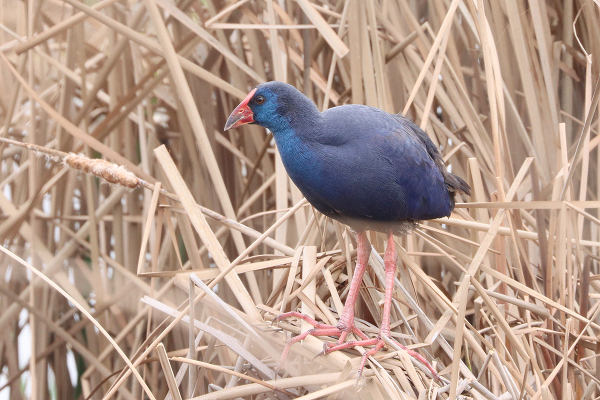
(363, 167)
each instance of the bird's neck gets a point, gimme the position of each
(295, 141)
(299, 157)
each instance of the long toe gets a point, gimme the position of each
(371, 352)
(321, 329)
(419, 358)
(378, 344)
(330, 347)
(296, 314)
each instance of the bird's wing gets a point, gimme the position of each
(382, 173)
(453, 182)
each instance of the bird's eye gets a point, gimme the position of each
(259, 99)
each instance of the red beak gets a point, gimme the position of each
(242, 114)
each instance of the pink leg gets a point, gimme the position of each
(346, 323)
(389, 261)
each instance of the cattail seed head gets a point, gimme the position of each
(110, 172)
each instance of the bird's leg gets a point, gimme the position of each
(389, 260)
(346, 322)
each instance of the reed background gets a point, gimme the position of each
(508, 285)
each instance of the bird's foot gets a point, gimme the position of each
(378, 344)
(342, 330)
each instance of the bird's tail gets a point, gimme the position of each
(456, 184)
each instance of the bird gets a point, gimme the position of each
(366, 168)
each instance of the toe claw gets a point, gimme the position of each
(319, 354)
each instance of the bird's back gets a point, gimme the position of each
(371, 169)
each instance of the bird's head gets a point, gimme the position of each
(273, 105)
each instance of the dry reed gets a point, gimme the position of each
(164, 283)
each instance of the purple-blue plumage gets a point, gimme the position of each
(357, 164)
